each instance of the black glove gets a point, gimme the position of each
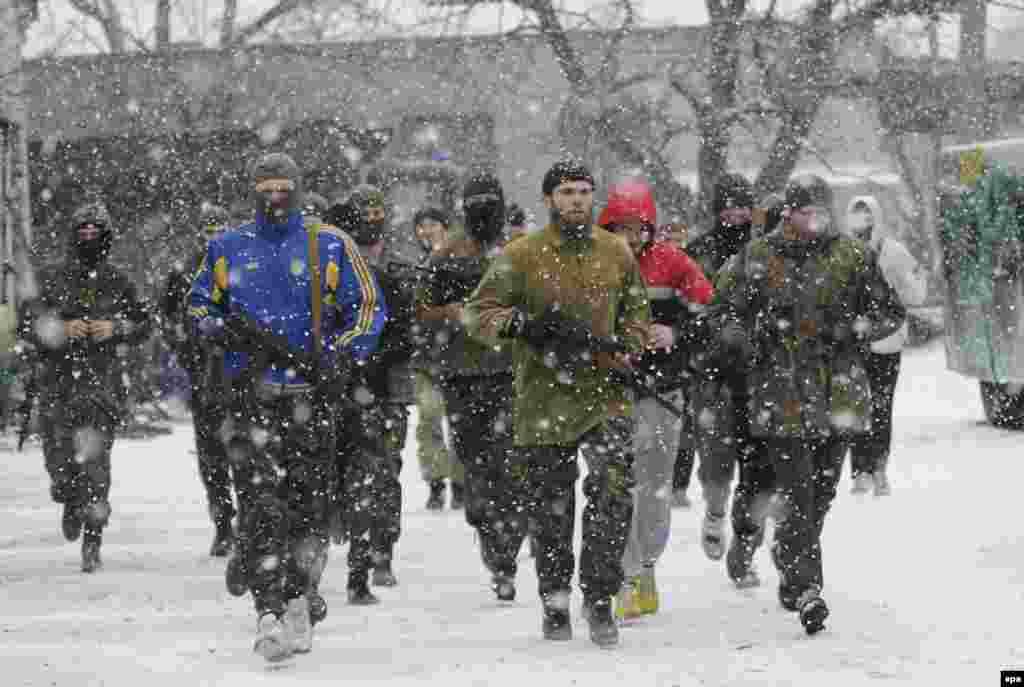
(554, 330)
(736, 340)
(335, 380)
(243, 335)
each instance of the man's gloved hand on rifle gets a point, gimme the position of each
(331, 373)
(568, 338)
(736, 341)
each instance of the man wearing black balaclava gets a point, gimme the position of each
(476, 381)
(87, 311)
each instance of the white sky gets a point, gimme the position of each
(196, 19)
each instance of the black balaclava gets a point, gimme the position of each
(430, 213)
(349, 217)
(92, 252)
(731, 191)
(562, 171)
(483, 203)
(314, 206)
(276, 172)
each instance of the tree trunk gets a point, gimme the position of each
(722, 73)
(227, 24)
(163, 24)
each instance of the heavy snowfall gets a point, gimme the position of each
(925, 585)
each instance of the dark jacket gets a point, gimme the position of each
(73, 368)
(387, 371)
(811, 308)
(713, 249)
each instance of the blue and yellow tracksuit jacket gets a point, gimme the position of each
(262, 270)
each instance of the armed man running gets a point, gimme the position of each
(87, 312)
(295, 312)
(572, 299)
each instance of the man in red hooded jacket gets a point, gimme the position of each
(675, 285)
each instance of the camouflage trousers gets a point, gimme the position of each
(793, 480)
(283, 448)
(78, 437)
(370, 451)
(480, 417)
(547, 475)
(436, 461)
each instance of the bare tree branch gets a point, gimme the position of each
(227, 22)
(282, 8)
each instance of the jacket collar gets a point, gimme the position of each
(266, 229)
(556, 239)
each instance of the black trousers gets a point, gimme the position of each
(370, 457)
(548, 476)
(214, 467)
(284, 447)
(78, 437)
(479, 410)
(870, 452)
(686, 457)
(793, 480)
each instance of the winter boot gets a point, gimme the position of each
(504, 587)
(436, 499)
(458, 497)
(273, 642)
(71, 522)
(359, 593)
(298, 625)
(383, 576)
(557, 625)
(680, 499)
(713, 536)
(881, 481)
(236, 574)
(813, 612)
(91, 561)
(627, 601)
(317, 607)
(861, 483)
(647, 591)
(223, 539)
(739, 561)
(603, 630)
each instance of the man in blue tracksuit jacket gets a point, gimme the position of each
(253, 295)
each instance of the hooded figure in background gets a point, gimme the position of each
(732, 205)
(869, 453)
(86, 314)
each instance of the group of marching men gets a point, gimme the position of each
(773, 340)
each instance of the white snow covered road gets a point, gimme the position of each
(926, 587)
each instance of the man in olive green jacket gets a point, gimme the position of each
(572, 302)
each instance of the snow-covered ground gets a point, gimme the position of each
(926, 587)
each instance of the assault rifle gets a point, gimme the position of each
(555, 328)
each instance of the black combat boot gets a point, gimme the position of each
(71, 522)
(359, 593)
(603, 630)
(436, 499)
(557, 624)
(91, 561)
(458, 497)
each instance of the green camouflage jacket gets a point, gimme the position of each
(810, 308)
